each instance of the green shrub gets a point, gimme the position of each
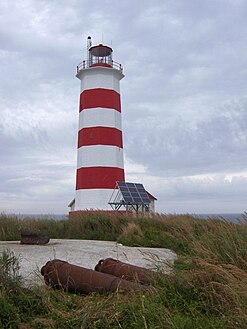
(9, 318)
(10, 279)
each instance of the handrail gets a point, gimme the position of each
(88, 64)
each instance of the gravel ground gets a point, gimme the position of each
(84, 253)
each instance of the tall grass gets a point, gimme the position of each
(207, 289)
(98, 226)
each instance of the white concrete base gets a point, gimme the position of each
(85, 253)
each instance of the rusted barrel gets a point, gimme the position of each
(125, 270)
(29, 237)
(72, 278)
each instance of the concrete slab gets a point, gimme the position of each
(84, 253)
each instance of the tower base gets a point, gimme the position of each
(81, 213)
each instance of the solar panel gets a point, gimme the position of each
(133, 193)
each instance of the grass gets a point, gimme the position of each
(208, 287)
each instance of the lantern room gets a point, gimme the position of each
(100, 55)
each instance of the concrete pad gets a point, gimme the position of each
(85, 253)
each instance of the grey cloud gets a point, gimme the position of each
(212, 145)
(208, 195)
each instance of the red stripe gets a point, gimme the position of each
(98, 177)
(100, 136)
(100, 97)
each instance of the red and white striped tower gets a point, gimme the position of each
(100, 147)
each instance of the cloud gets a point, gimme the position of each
(183, 99)
(176, 146)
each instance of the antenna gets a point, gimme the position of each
(102, 38)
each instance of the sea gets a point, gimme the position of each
(234, 217)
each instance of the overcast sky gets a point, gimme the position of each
(184, 99)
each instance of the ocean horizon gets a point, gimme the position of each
(232, 217)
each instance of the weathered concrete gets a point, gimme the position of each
(86, 253)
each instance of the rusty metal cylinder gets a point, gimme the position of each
(125, 270)
(72, 278)
(29, 237)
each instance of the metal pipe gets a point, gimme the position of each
(72, 278)
(125, 270)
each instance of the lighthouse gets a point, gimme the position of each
(100, 146)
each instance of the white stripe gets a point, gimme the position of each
(96, 199)
(100, 156)
(100, 78)
(100, 117)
